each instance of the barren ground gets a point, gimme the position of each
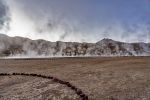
(113, 78)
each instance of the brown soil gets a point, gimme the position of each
(106, 78)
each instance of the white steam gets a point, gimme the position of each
(47, 22)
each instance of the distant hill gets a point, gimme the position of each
(19, 46)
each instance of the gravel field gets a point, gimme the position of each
(101, 78)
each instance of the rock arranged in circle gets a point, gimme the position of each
(33, 86)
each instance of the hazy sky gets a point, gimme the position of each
(77, 20)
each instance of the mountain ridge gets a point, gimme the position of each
(20, 46)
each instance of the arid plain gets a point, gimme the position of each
(101, 78)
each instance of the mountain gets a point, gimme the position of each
(19, 46)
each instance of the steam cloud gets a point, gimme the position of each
(80, 21)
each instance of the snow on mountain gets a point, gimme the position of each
(19, 46)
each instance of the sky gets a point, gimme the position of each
(76, 20)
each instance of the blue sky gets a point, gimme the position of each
(80, 20)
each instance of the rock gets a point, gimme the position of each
(12, 46)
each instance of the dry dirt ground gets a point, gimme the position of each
(101, 78)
